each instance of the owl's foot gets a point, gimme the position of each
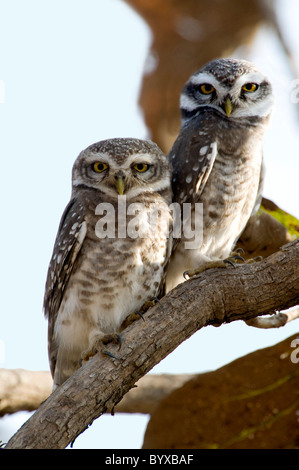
(208, 265)
(233, 259)
(235, 255)
(146, 306)
(132, 317)
(254, 260)
(99, 345)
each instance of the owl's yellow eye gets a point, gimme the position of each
(98, 167)
(141, 167)
(206, 89)
(250, 87)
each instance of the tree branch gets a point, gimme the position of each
(150, 390)
(26, 390)
(276, 321)
(215, 297)
(23, 390)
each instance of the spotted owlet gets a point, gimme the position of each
(111, 248)
(217, 160)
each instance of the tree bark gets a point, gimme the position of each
(23, 390)
(26, 390)
(215, 297)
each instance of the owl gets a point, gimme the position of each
(217, 161)
(111, 250)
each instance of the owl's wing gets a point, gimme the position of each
(69, 240)
(260, 190)
(192, 158)
(169, 249)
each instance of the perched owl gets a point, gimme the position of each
(112, 246)
(217, 160)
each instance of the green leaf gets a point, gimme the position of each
(287, 220)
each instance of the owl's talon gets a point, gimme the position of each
(148, 304)
(140, 314)
(120, 340)
(112, 338)
(213, 264)
(105, 352)
(132, 317)
(81, 361)
(256, 259)
(232, 259)
(229, 261)
(97, 346)
(205, 266)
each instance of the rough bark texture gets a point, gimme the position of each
(251, 403)
(214, 297)
(26, 390)
(186, 34)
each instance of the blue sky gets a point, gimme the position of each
(70, 74)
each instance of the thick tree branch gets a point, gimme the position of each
(26, 390)
(215, 297)
(23, 390)
(150, 390)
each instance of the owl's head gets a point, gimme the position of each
(234, 88)
(122, 166)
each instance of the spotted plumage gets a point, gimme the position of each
(110, 253)
(217, 157)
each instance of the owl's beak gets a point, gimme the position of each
(120, 184)
(228, 106)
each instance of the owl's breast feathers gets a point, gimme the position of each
(111, 277)
(217, 162)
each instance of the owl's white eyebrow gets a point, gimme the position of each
(138, 158)
(95, 157)
(249, 78)
(204, 77)
(134, 158)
